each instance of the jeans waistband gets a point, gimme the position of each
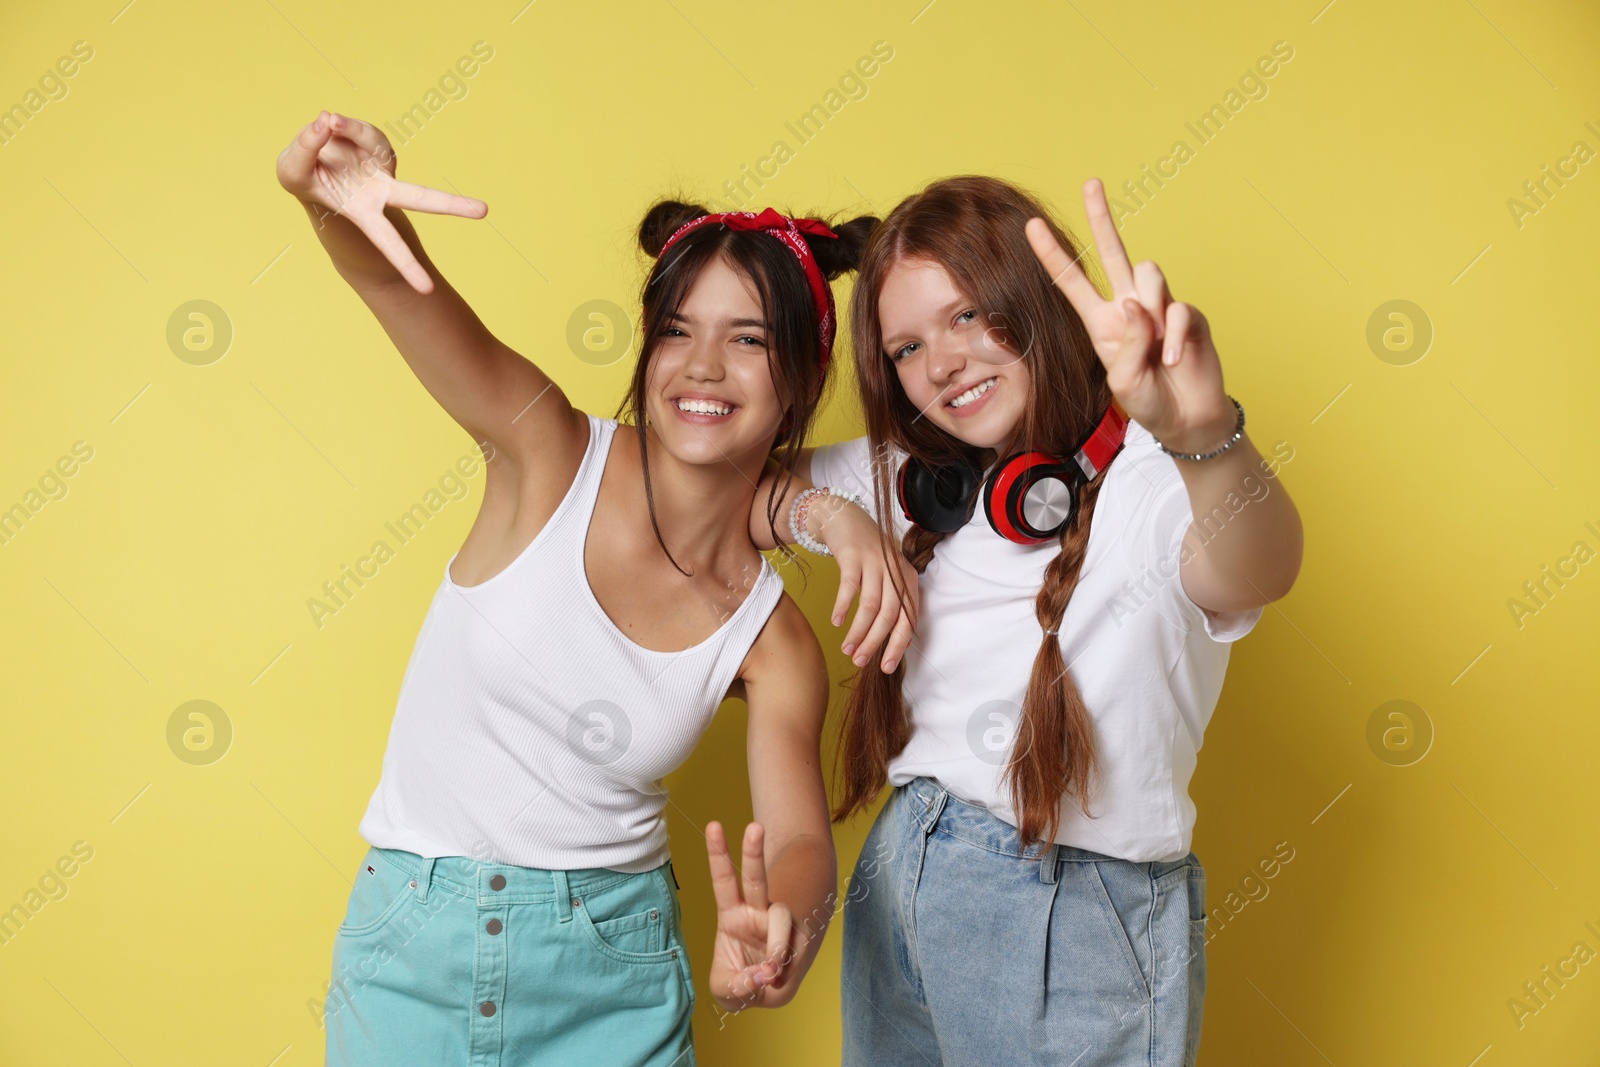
(503, 883)
(934, 806)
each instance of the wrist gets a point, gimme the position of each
(810, 514)
(1208, 436)
(823, 509)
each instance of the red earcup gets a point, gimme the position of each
(1031, 497)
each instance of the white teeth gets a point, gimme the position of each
(703, 407)
(974, 393)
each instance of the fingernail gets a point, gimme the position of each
(849, 647)
(888, 668)
(318, 124)
(861, 660)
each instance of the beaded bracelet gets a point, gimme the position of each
(1238, 432)
(802, 507)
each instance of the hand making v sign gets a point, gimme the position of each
(347, 166)
(1174, 389)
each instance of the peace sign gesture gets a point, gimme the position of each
(1174, 389)
(753, 936)
(347, 166)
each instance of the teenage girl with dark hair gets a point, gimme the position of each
(518, 899)
(1093, 529)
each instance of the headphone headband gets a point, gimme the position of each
(1104, 441)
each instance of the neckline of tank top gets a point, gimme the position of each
(766, 574)
(606, 429)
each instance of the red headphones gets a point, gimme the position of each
(1029, 497)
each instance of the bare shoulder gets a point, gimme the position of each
(786, 657)
(519, 501)
(540, 486)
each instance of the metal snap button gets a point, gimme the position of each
(498, 882)
(413, 883)
(653, 914)
(576, 903)
(493, 926)
(487, 1008)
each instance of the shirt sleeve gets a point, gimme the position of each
(1155, 538)
(847, 466)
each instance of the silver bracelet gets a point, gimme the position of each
(1238, 432)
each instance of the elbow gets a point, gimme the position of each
(1280, 577)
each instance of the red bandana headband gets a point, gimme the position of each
(788, 231)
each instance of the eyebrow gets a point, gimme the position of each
(890, 342)
(758, 323)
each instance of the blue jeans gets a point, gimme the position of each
(451, 962)
(962, 950)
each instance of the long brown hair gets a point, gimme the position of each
(973, 227)
(793, 346)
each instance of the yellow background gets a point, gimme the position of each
(219, 497)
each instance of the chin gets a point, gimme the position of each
(992, 429)
(705, 445)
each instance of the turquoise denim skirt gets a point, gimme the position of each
(451, 962)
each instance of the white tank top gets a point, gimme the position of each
(529, 729)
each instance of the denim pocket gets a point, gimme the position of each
(628, 922)
(1115, 899)
(379, 894)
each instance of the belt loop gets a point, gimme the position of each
(424, 879)
(1048, 865)
(563, 896)
(929, 816)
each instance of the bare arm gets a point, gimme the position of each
(343, 175)
(1244, 545)
(786, 686)
(760, 528)
(771, 917)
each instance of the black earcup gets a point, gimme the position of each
(1031, 497)
(938, 499)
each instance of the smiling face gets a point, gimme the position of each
(711, 396)
(957, 373)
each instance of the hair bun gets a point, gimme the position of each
(837, 255)
(662, 221)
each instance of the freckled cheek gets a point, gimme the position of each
(916, 389)
(1014, 373)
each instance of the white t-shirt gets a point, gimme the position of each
(1148, 661)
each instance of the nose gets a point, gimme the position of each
(946, 359)
(704, 361)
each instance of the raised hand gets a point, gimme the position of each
(754, 937)
(1160, 362)
(347, 166)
